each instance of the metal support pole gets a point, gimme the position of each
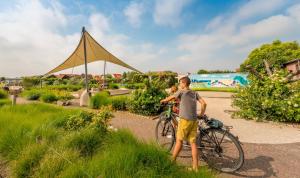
(104, 73)
(85, 61)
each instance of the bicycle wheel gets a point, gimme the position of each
(165, 134)
(221, 150)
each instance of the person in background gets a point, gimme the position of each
(188, 124)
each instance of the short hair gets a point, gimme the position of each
(186, 80)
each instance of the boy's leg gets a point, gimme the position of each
(177, 149)
(195, 156)
(192, 139)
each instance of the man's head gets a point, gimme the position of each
(184, 82)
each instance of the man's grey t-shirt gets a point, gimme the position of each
(188, 104)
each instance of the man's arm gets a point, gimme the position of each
(203, 105)
(169, 98)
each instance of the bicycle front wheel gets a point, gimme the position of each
(165, 134)
(221, 150)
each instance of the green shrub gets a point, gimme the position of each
(29, 82)
(65, 87)
(102, 117)
(78, 121)
(99, 99)
(33, 94)
(3, 94)
(119, 102)
(64, 95)
(146, 102)
(113, 86)
(271, 98)
(49, 97)
(83, 119)
(135, 85)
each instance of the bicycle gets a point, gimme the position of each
(216, 145)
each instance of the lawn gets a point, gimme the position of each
(217, 89)
(42, 140)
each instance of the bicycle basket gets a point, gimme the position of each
(214, 123)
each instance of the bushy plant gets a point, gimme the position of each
(3, 94)
(78, 121)
(113, 86)
(29, 82)
(83, 119)
(135, 85)
(119, 102)
(65, 87)
(271, 98)
(146, 102)
(99, 99)
(33, 94)
(101, 118)
(49, 97)
(64, 95)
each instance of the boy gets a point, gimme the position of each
(188, 124)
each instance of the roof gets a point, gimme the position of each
(292, 61)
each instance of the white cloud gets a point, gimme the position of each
(32, 42)
(134, 12)
(168, 12)
(228, 42)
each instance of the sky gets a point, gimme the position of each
(150, 35)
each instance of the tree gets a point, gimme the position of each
(270, 95)
(276, 54)
(202, 71)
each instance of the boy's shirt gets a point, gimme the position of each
(188, 104)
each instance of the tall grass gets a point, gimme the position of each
(33, 138)
(99, 99)
(3, 94)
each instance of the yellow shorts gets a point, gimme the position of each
(187, 130)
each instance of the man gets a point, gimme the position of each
(188, 124)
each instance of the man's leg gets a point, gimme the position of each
(195, 156)
(177, 149)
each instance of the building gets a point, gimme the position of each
(117, 76)
(294, 68)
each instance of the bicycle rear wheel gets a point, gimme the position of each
(165, 134)
(221, 150)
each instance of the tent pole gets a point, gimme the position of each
(85, 61)
(104, 73)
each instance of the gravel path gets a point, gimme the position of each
(261, 160)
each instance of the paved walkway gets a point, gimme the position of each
(261, 160)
